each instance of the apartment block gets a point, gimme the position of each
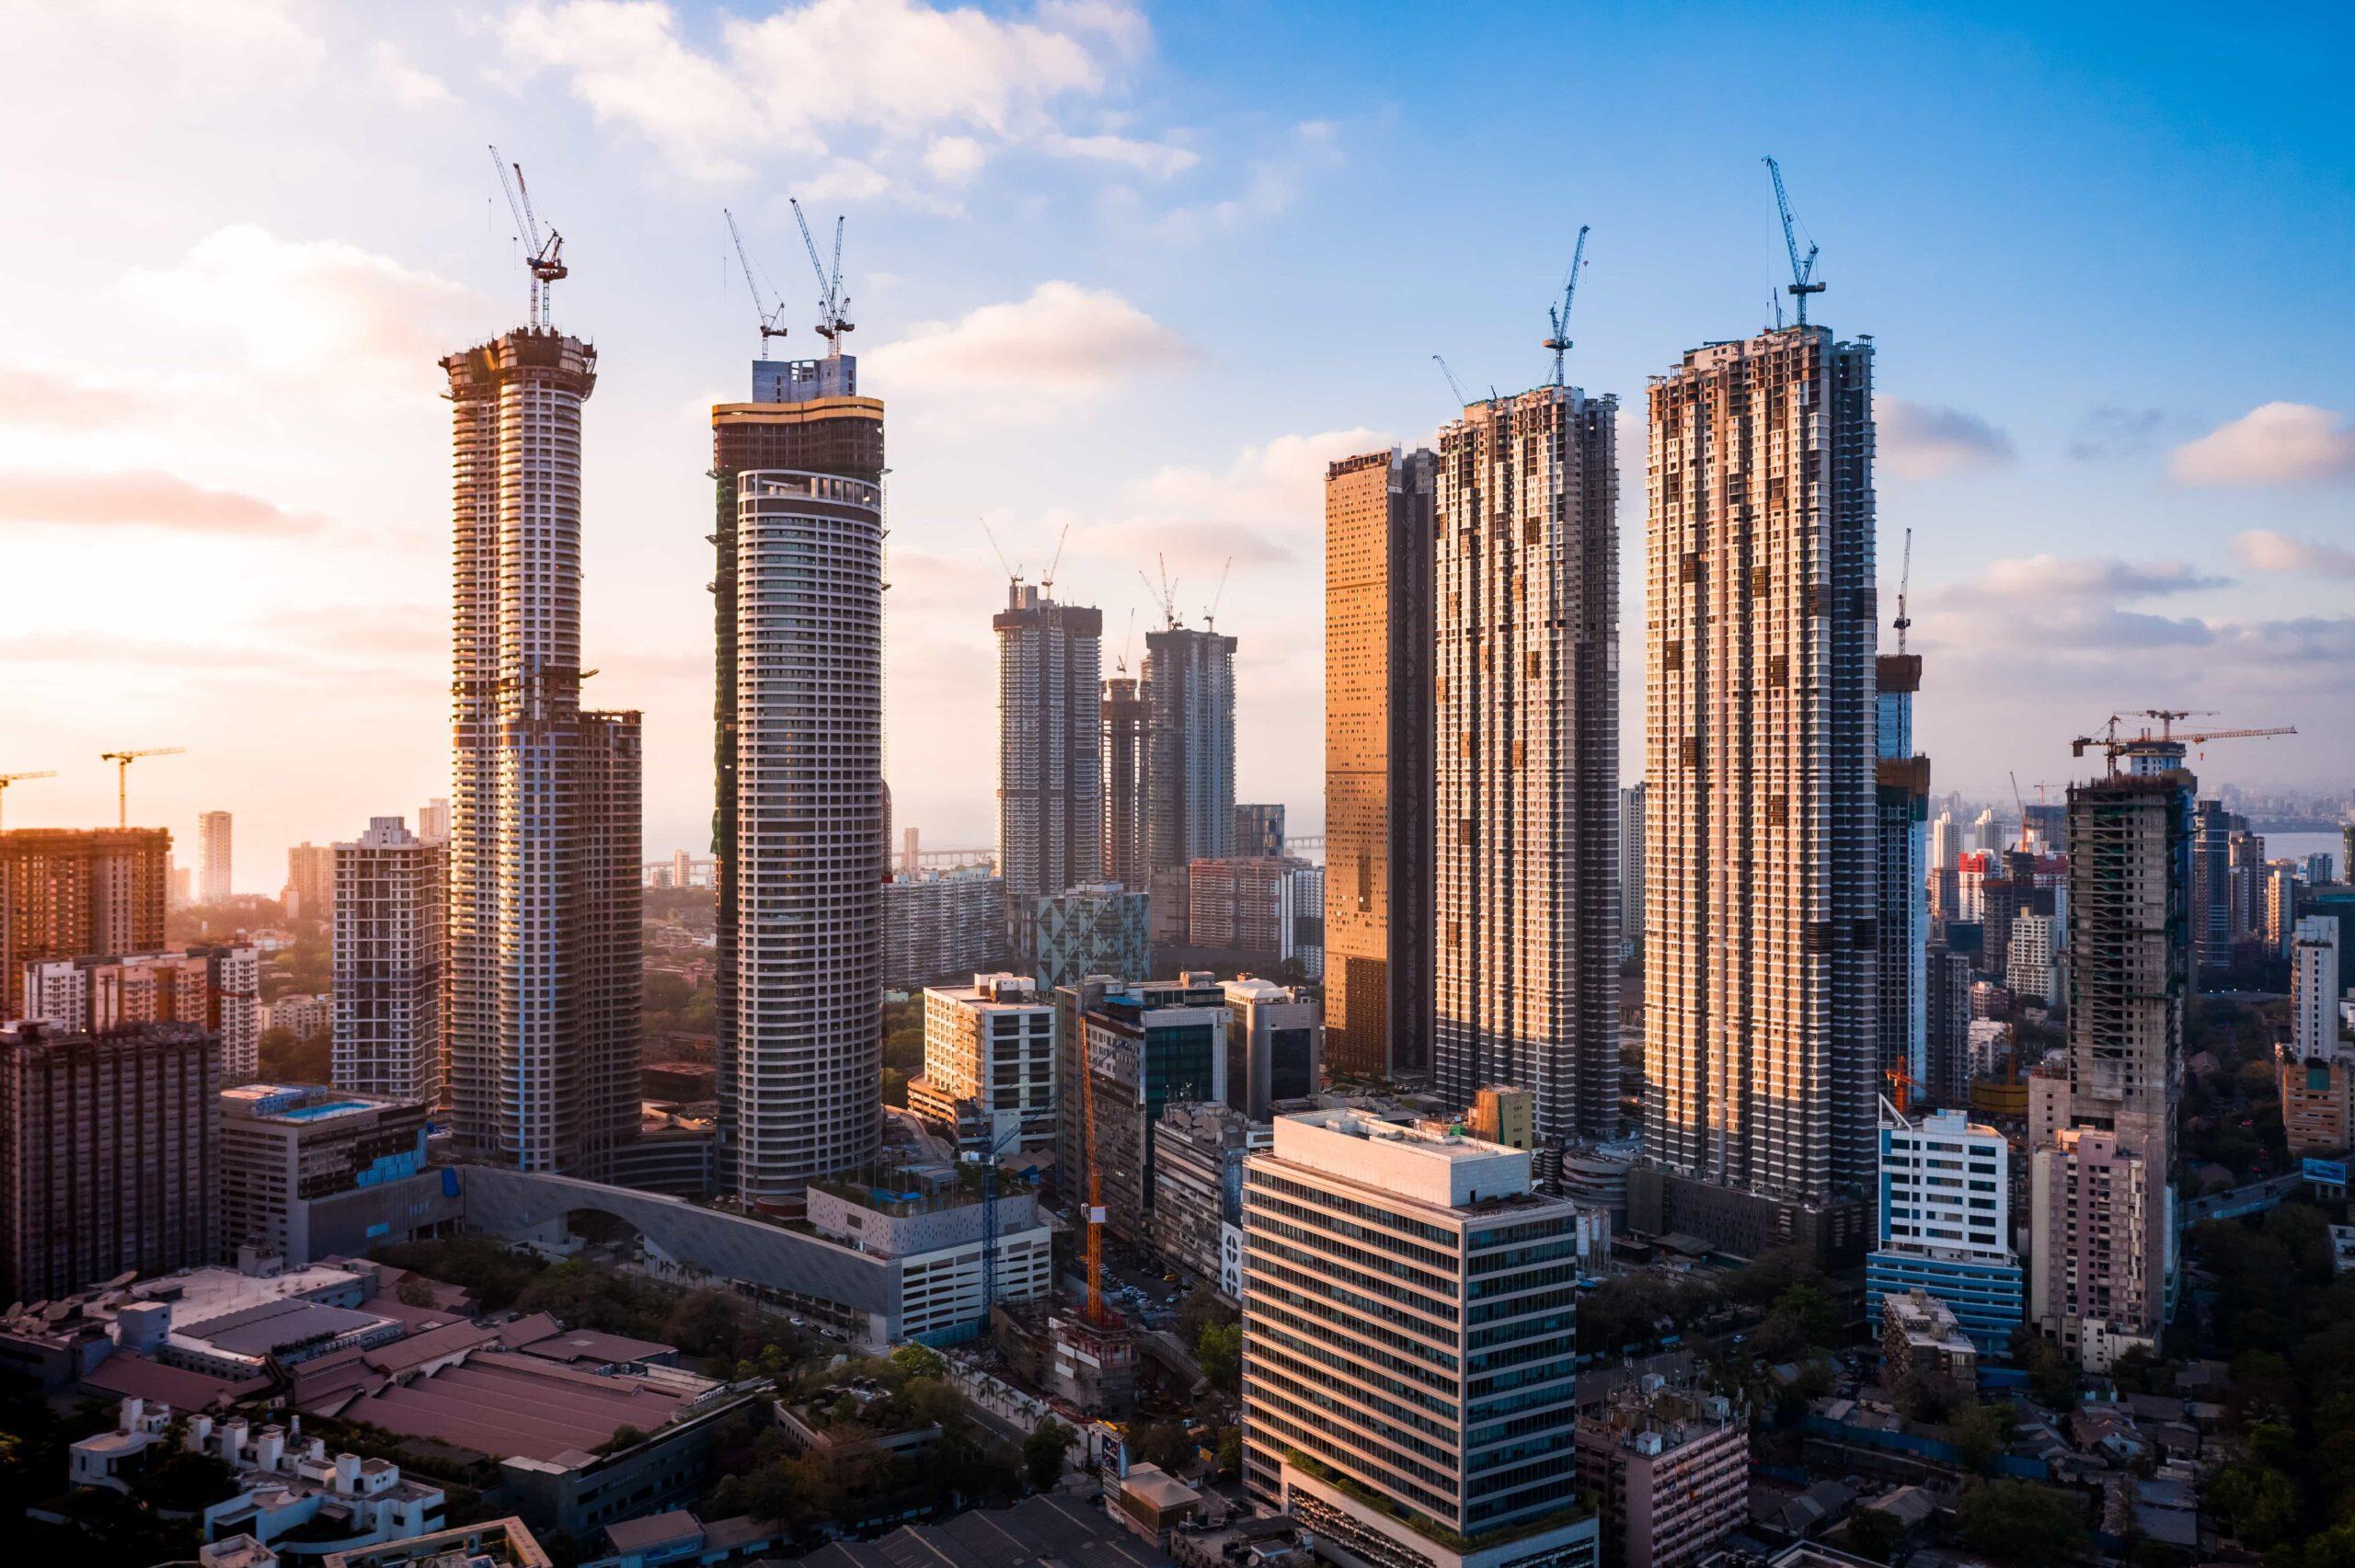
(2314, 1072)
(1128, 849)
(1270, 907)
(1761, 903)
(1199, 1152)
(938, 924)
(213, 857)
(1900, 816)
(992, 1043)
(1526, 728)
(111, 1145)
(67, 894)
(2100, 1216)
(1920, 1340)
(1407, 1374)
(1669, 1469)
(1378, 771)
(1631, 869)
(309, 892)
(1049, 746)
(1189, 690)
(391, 894)
(216, 989)
(1259, 829)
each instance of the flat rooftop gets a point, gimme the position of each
(1426, 1161)
(503, 1404)
(300, 1103)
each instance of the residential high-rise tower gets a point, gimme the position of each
(1128, 851)
(1189, 690)
(213, 858)
(1901, 811)
(67, 894)
(1050, 752)
(1378, 771)
(391, 890)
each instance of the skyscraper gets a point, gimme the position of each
(543, 912)
(310, 881)
(1128, 851)
(213, 858)
(391, 890)
(1631, 867)
(1189, 692)
(801, 828)
(1901, 810)
(1050, 751)
(65, 894)
(1761, 902)
(1378, 768)
(2212, 885)
(1526, 726)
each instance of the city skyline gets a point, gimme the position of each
(1088, 282)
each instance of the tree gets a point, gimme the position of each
(1978, 1433)
(1229, 1451)
(709, 1321)
(1161, 1443)
(2261, 1503)
(1200, 1310)
(1043, 1450)
(2018, 1522)
(1220, 1351)
(1873, 1533)
(920, 1361)
(1806, 1307)
(185, 1482)
(2051, 1376)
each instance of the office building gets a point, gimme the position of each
(1945, 1225)
(1526, 720)
(215, 988)
(109, 1145)
(1128, 849)
(542, 924)
(1050, 751)
(1901, 815)
(1631, 869)
(1461, 1431)
(1099, 930)
(801, 825)
(1670, 1470)
(65, 894)
(391, 892)
(308, 1172)
(1378, 767)
(2033, 966)
(1197, 1157)
(1258, 829)
(992, 1042)
(1189, 692)
(938, 924)
(1145, 1045)
(1275, 1045)
(433, 820)
(1762, 907)
(213, 858)
(927, 1228)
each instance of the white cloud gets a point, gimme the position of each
(873, 80)
(1270, 186)
(1929, 440)
(140, 500)
(1159, 159)
(2277, 444)
(409, 87)
(1279, 481)
(32, 396)
(1028, 358)
(2052, 576)
(2262, 550)
(318, 308)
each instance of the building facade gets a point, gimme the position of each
(1198, 1182)
(1945, 1225)
(938, 924)
(108, 1149)
(1762, 898)
(1128, 849)
(310, 882)
(1379, 772)
(1901, 815)
(66, 894)
(1526, 728)
(1144, 1046)
(1099, 930)
(542, 924)
(295, 1157)
(1270, 907)
(1275, 1045)
(214, 858)
(1258, 827)
(1050, 812)
(391, 892)
(2314, 1072)
(1189, 692)
(1411, 1246)
(992, 1042)
(1631, 869)
(2099, 1221)
(216, 989)
(1669, 1469)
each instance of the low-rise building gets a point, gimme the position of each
(307, 1171)
(927, 1223)
(1670, 1471)
(1920, 1340)
(992, 1042)
(1198, 1182)
(300, 1014)
(1504, 1113)
(494, 1543)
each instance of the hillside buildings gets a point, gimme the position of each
(1050, 809)
(544, 944)
(1760, 902)
(1378, 766)
(801, 825)
(1526, 727)
(391, 892)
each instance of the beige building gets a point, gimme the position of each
(1502, 1114)
(1373, 1410)
(992, 1043)
(391, 890)
(1526, 727)
(1669, 1469)
(1378, 777)
(310, 882)
(70, 895)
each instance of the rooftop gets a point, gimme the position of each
(1045, 1531)
(503, 1405)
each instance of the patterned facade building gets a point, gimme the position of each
(1525, 729)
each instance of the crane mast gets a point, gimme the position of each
(1803, 281)
(544, 260)
(1560, 343)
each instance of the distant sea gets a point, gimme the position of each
(2297, 846)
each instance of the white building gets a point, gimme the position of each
(994, 1042)
(2031, 963)
(2314, 987)
(1381, 1238)
(930, 1232)
(390, 891)
(216, 988)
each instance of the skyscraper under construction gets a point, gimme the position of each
(1051, 818)
(545, 949)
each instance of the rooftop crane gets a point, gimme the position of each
(1560, 343)
(2166, 748)
(547, 261)
(1012, 572)
(7, 779)
(772, 316)
(834, 305)
(122, 761)
(1165, 595)
(1462, 401)
(1210, 615)
(1046, 583)
(1904, 582)
(1803, 281)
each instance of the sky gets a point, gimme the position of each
(1137, 273)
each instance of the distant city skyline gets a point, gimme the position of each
(1116, 274)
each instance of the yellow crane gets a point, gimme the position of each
(7, 779)
(122, 761)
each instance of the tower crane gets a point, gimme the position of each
(7, 779)
(1166, 596)
(988, 1161)
(1046, 583)
(2157, 753)
(1012, 572)
(122, 761)
(1803, 281)
(1461, 401)
(1560, 343)
(546, 262)
(771, 317)
(1210, 615)
(834, 305)
(1904, 582)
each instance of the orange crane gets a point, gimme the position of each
(122, 761)
(7, 779)
(1902, 1083)
(1092, 1217)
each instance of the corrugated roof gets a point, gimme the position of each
(136, 1377)
(501, 1404)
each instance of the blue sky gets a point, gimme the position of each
(1140, 272)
